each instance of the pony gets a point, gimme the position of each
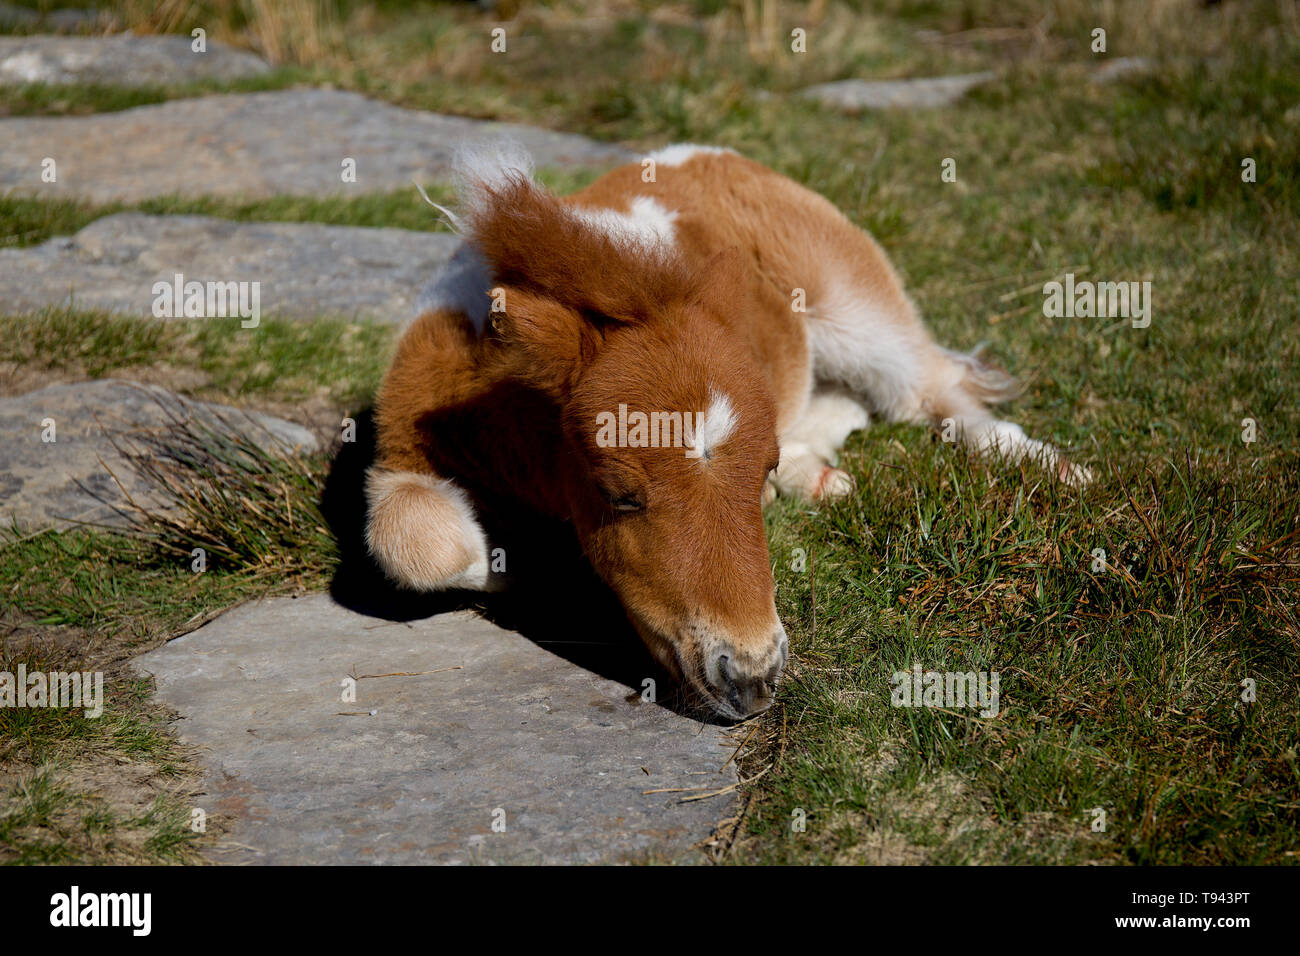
(652, 360)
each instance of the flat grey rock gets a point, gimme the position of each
(925, 93)
(121, 60)
(65, 481)
(303, 269)
(553, 750)
(251, 145)
(1122, 67)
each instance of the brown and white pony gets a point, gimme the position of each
(678, 296)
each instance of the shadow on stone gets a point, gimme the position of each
(555, 600)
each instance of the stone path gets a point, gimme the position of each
(57, 483)
(122, 60)
(925, 93)
(555, 751)
(254, 145)
(305, 270)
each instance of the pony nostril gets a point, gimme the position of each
(725, 675)
(746, 694)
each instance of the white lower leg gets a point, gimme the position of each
(810, 447)
(805, 474)
(995, 437)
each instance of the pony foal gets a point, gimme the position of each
(662, 302)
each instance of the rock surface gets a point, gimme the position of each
(62, 482)
(304, 269)
(1122, 67)
(121, 60)
(516, 734)
(251, 145)
(925, 93)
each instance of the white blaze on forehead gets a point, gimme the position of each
(715, 426)
(647, 225)
(680, 153)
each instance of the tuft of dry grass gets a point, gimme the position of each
(283, 31)
(243, 498)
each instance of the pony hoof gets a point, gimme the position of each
(833, 483)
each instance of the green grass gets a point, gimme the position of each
(42, 99)
(1120, 689)
(28, 221)
(334, 360)
(57, 807)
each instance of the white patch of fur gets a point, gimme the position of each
(462, 285)
(679, 153)
(716, 426)
(646, 226)
(857, 344)
(412, 557)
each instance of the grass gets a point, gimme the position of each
(331, 361)
(66, 799)
(44, 99)
(29, 221)
(1121, 689)
(49, 822)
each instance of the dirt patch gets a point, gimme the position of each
(901, 832)
(78, 791)
(103, 809)
(941, 818)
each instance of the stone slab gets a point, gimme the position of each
(304, 269)
(559, 751)
(924, 93)
(251, 145)
(65, 481)
(121, 60)
(1121, 68)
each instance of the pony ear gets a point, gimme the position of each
(549, 344)
(532, 240)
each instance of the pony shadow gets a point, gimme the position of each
(554, 598)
